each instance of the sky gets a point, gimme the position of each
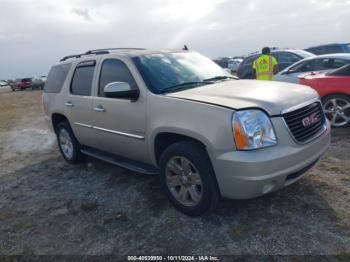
(36, 34)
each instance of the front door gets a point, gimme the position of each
(119, 124)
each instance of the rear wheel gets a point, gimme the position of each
(337, 109)
(188, 178)
(67, 143)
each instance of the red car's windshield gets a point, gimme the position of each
(342, 71)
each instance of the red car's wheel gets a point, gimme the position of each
(337, 110)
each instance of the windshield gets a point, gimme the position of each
(342, 71)
(167, 70)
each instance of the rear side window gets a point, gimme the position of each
(332, 49)
(333, 63)
(56, 78)
(114, 70)
(82, 79)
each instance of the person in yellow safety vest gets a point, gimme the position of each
(265, 67)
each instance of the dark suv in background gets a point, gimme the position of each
(284, 58)
(329, 49)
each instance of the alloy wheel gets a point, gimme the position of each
(337, 111)
(184, 181)
(66, 143)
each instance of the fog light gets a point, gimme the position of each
(268, 188)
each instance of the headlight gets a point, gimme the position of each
(252, 129)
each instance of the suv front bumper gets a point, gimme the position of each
(249, 174)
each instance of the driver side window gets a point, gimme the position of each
(306, 66)
(114, 70)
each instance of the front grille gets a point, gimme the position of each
(304, 131)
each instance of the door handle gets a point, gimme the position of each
(69, 104)
(99, 108)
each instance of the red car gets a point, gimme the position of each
(21, 84)
(334, 90)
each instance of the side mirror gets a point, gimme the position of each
(121, 90)
(291, 71)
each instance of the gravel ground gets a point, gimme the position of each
(50, 207)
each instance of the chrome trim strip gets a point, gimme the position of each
(84, 125)
(293, 108)
(119, 133)
(111, 131)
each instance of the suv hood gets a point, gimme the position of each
(271, 96)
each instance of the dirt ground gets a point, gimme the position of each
(50, 207)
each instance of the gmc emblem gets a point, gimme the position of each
(310, 120)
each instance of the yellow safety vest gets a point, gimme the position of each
(264, 67)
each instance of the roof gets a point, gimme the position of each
(339, 55)
(127, 52)
(295, 51)
(327, 45)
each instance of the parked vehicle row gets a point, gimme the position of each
(320, 63)
(21, 84)
(3, 83)
(24, 83)
(329, 49)
(233, 64)
(285, 58)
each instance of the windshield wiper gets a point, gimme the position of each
(185, 85)
(217, 78)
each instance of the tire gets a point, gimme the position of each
(337, 109)
(202, 194)
(67, 143)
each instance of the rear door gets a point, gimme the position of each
(120, 124)
(78, 102)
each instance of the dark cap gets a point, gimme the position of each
(266, 50)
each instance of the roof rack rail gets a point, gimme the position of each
(98, 52)
(87, 53)
(114, 48)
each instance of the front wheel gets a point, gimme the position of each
(188, 178)
(67, 143)
(337, 109)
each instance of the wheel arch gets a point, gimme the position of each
(164, 139)
(324, 97)
(57, 118)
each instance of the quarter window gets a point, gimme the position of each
(114, 70)
(333, 63)
(56, 78)
(82, 79)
